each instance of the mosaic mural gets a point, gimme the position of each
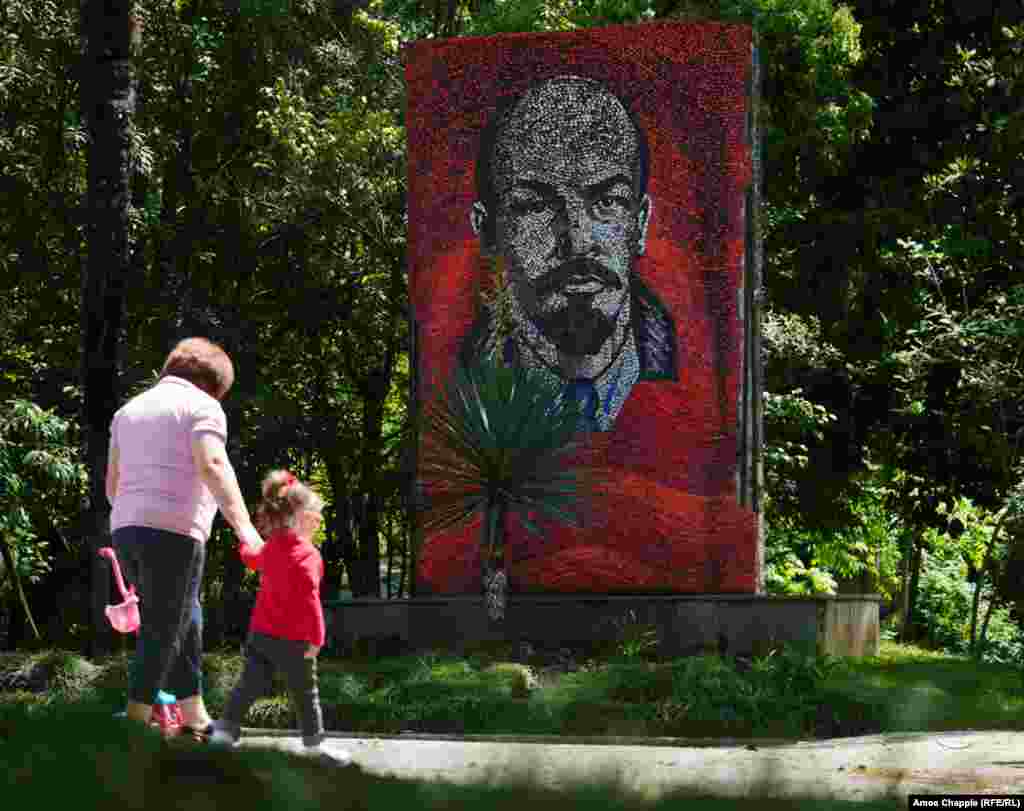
(609, 168)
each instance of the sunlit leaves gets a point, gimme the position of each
(38, 466)
(806, 561)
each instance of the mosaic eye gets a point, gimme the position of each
(532, 205)
(609, 206)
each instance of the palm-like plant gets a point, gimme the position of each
(496, 442)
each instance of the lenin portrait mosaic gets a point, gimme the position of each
(609, 169)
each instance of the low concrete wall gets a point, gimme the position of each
(850, 627)
(842, 625)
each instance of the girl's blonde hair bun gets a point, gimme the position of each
(284, 496)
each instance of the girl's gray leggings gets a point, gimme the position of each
(263, 654)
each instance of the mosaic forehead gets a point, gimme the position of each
(567, 129)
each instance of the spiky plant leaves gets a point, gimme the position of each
(499, 440)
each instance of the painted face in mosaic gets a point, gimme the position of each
(569, 217)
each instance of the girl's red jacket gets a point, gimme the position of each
(288, 604)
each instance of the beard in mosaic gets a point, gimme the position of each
(561, 185)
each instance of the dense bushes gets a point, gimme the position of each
(943, 614)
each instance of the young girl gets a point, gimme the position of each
(287, 626)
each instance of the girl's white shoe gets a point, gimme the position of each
(339, 757)
(222, 737)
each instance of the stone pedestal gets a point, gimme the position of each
(842, 625)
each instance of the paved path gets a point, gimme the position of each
(864, 768)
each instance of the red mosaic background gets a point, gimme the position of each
(667, 520)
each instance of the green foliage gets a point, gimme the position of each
(944, 603)
(499, 435)
(782, 689)
(913, 689)
(39, 472)
(274, 712)
(793, 423)
(785, 692)
(785, 571)
(814, 116)
(634, 640)
(507, 16)
(1004, 640)
(977, 527)
(872, 542)
(943, 610)
(803, 561)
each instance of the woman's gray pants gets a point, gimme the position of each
(264, 654)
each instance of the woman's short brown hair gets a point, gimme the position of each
(202, 363)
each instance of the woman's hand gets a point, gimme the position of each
(251, 538)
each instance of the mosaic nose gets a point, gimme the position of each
(574, 229)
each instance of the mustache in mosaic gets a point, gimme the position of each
(576, 270)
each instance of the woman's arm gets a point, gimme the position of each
(113, 457)
(215, 470)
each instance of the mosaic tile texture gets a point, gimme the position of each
(608, 167)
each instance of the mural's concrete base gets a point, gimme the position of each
(743, 624)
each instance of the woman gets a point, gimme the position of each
(167, 474)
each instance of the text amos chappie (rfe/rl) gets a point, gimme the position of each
(965, 801)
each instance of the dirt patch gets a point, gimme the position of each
(982, 780)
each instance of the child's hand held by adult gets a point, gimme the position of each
(251, 538)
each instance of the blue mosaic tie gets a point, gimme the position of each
(585, 393)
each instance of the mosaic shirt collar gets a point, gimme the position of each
(613, 385)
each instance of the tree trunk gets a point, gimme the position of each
(15, 623)
(375, 392)
(8, 558)
(904, 595)
(986, 564)
(404, 570)
(984, 625)
(337, 543)
(108, 104)
(911, 595)
(180, 212)
(391, 556)
(341, 526)
(369, 542)
(494, 580)
(975, 600)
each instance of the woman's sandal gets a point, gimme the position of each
(198, 735)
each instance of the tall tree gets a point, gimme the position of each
(108, 103)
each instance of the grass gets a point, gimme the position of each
(785, 694)
(63, 754)
(60, 744)
(913, 689)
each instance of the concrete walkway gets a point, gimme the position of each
(865, 768)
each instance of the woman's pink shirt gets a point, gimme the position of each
(158, 484)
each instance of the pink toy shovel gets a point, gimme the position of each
(124, 617)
